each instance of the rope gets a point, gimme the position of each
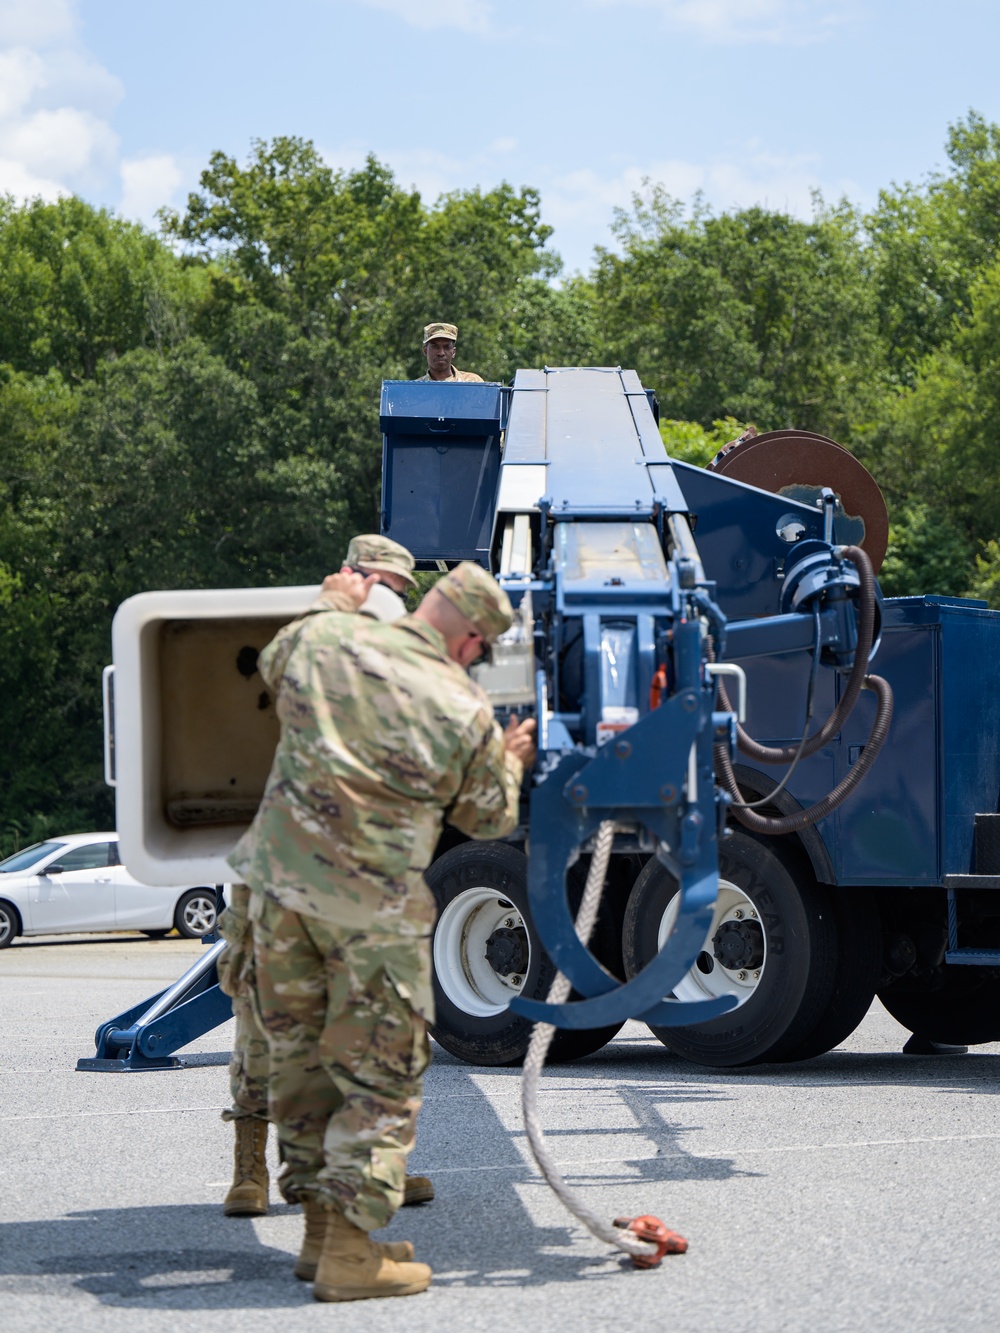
(538, 1049)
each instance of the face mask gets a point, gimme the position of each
(383, 604)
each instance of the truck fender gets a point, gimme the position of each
(755, 785)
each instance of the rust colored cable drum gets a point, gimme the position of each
(797, 464)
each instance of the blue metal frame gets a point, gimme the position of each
(605, 462)
(594, 433)
(439, 476)
(145, 1036)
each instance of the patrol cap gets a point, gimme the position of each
(375, 554)
(440, 331)
(480, 599)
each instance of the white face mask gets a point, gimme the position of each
(383, 604)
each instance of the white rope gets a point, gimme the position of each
(538, 1049)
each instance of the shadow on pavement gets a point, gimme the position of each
(623, 1140)
(493, 1223)
(177, 1257)
(644, 1061)
(169, 1256)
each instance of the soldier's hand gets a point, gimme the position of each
(519, 740)
(353, 585)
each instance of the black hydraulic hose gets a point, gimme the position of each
(784, 754)
(810, 697)
(812, 814)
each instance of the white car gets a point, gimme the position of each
(76, 884)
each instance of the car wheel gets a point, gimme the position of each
(195, 915)
(772, 943)
(486, 951)
(10, 924)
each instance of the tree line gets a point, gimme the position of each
(199, 407)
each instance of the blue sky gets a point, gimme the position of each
(749, 101)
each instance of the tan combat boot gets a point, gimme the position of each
(312, 1242)
(418, 1190)
(351, 1267)
(247, 1196)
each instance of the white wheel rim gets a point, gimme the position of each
(732, 904)
(460, 963)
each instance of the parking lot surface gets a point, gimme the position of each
(855, 1191)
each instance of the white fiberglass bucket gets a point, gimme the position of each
(192, 725)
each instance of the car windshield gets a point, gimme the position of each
(29, 856)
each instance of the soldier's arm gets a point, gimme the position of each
(486, 805)
(340, 592)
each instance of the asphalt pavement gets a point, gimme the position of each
(857, 1191)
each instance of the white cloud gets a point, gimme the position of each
(475, 16)
(55, 104)
(580, 204)
(758, 177)
(74, 78)
(36, 22)
(148, 183)
(22, 73)
(63, 143)
(16, 179)
(784, 184)
(734, 22)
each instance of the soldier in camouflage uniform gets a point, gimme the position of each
(249, 1064)
(383, 736)
(440, 343)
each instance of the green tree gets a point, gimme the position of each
(936, 451)
(204, 412)
(178, 483)
(986, 576)
(690, 442)
(928, 243)
(322, 282)
(78, 285)
(927, 552)
(754, 314)
(47, 768)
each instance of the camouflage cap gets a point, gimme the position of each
(479, 598)
(375, 554)
(440, 331)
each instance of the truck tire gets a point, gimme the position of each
(958, 1006)
(859, 971)
(775, 928)
(486, 951)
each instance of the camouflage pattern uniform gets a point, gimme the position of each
(382, 736)
(249, 1064)
(373, 554)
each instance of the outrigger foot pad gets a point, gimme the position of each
(918, 1045)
